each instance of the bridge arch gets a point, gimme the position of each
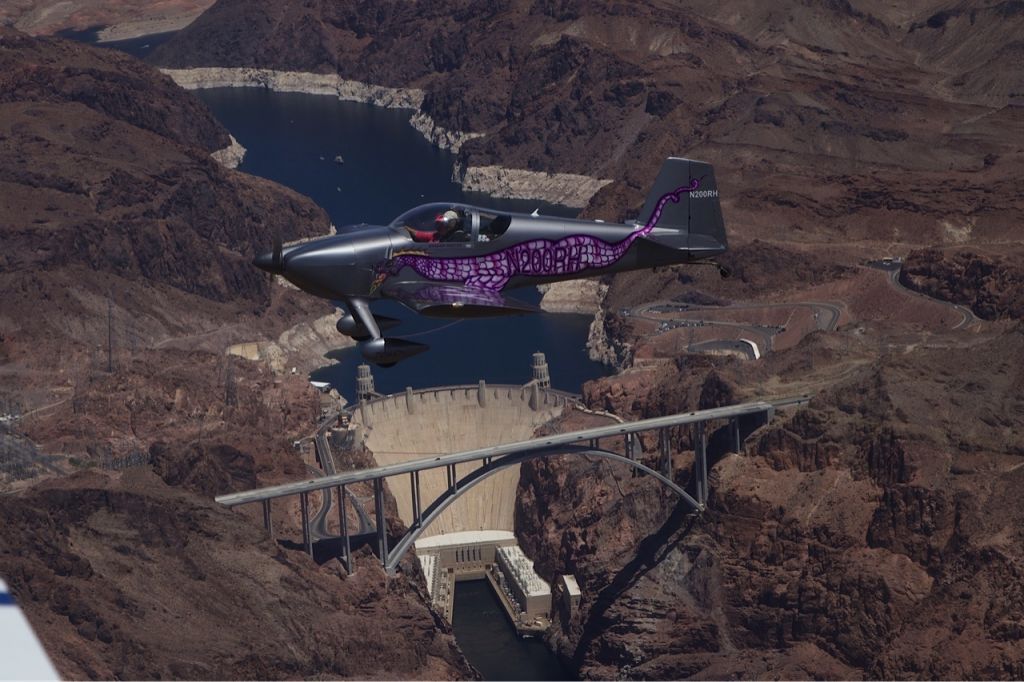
(496, 464)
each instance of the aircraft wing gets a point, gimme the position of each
(22, 657)
(454, 300)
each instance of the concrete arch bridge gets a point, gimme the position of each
(464, 470)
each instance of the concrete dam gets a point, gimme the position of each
(474, 537)
(437, 421)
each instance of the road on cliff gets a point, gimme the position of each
(826, 316)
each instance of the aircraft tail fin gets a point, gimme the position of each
(697, 215)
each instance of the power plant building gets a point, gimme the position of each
(521, 583)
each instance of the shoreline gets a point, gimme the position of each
(568, 189)
(140, 28)
(230, 156)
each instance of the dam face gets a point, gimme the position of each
(438, 421)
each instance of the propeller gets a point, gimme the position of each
(277, 261)
(272, 262)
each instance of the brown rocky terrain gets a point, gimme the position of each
(119, 227)
(125, 576)
(990, 285)
(874, 533)
(830, 122)
(128, 17)
(111, 200)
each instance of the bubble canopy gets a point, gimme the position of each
(425, 216)
(479, 224)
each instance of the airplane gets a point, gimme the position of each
(452, 260)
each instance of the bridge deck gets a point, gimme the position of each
(545, 443)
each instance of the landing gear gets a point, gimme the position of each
(383, 352)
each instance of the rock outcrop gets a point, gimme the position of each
(230, 156)
(574, 296)
(990, 285)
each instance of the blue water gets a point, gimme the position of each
(137, 47)
(490, 642)
(389, 167)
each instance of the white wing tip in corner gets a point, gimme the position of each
(22, 657)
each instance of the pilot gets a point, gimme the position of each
(450, 227)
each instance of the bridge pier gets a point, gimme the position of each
(266, 518)
(343, 518)
(700, 452)
(737, 439)
(414, 484)
(382, 522)
(307, 537)
(665, 450)
(450, 469)
(631, 448)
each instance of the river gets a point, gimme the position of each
(490, 642)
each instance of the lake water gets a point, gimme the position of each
(389, 167)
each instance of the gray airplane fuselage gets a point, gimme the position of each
(456, 260)
(347, 264)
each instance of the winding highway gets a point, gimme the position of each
(669, 315)
(967, 316)
(318, 523)
(826, 316)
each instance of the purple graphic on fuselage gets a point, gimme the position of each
(537, 257)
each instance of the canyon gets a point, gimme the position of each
(874, 533)
(127, 274)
